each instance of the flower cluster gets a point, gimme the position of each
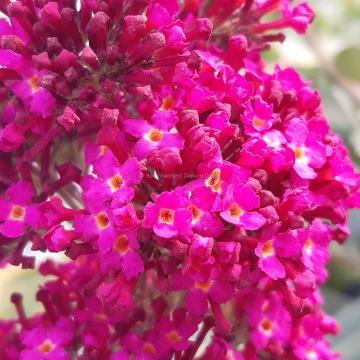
(194, 194)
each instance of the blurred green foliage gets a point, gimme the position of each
(348, 63)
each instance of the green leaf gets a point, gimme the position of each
(347, 62)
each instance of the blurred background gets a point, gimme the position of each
(329, 56)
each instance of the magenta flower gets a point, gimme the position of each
(17, 210)
(118, 180)
(155, 135)
(99, 224)
(270, 322)
(121, 253)
(197, 298)
(168, 216)
(48, 342)
(174, 335)
(298, 17)
(280, 156)
(315, 252)
(11, 137)
(239, 200)
(201, 202)
(27, 86)
(194, 192)
(309, 343)
(274, 246)
(309, 152)
(259, 117)
(217, 177)
(204, 288)
(161, 12)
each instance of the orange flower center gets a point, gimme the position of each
(308, 246)
(196, 212)
(155, 135)
(235, 211)
(102, 220)
(103, 150)
(299, 153)
(116, 182)
(266, 325)
(122, 244)
(17, 213)
(46, 347)
(166, 216)
(34, 83)
(258, 122)
(149, 348)
(99, 316)
(173, 336)
(203, 285)
(214, 180)
(167, 104)
(268, 248)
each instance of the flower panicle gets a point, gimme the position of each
(194, 194)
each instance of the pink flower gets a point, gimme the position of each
(155, 135)
(298, 17)
(17, 210)
(174, 335)
(269, 321)
(118, 181)
(168, 216)
(280, 156)
(45, 342)
(308, 343)
(161, 12)
(309, 152)
(239, 200)
(100, 223)
(200, 203)
(116, 292)
(273, 246)
(11, 137)
(28, 88)
(213, 290)
(315, 252)
(122, 253)
(258, 117)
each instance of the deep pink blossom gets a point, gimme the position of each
(155, 135)
(116, 181)
(48, 342)
(121, 253)
(269, 321)
(100, 223)
(315, 252)
(168, 216)
(239, 201)
(258, 117)
(274, 246)
(17, 211)
(309, 152)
